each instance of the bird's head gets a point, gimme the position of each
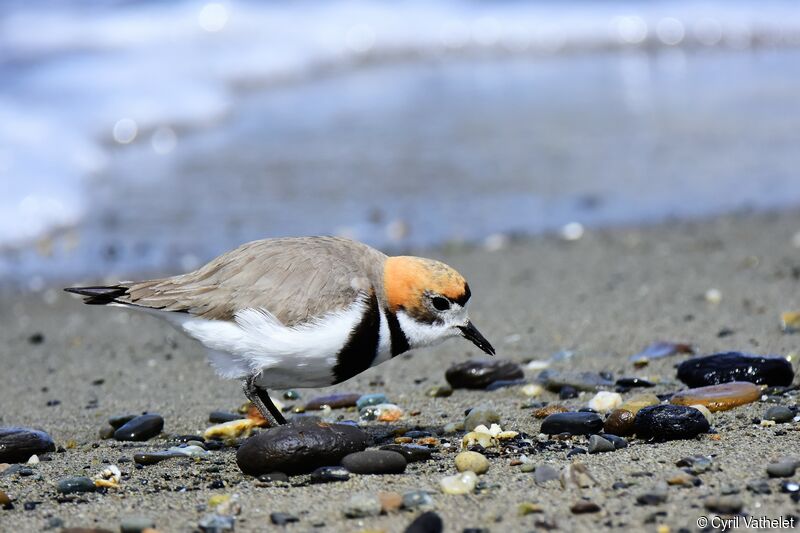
(429, 299)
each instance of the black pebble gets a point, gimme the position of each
(272, 477)
(669, 422)
(481, 374)
(572, 423)
(428, 522)
(140, 428)
(412, 452)
(567, 392)
(576, 451)
(18, 444)
(735, 366)
(375, 462)
(329, 474)
(220, 417)
(281, 519)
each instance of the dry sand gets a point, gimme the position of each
(605, 296)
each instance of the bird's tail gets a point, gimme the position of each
(99, 295)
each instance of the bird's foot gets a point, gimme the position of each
(260, 398)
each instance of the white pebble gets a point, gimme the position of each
(462, 483)
(34, 460)
(538, 365)
(713, 296)
(605, 401)
(572, 231)
(532, 390)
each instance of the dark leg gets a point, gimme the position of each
(260, 398)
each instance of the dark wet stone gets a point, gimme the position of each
(36, 338)
(618, 442)
(368, 400)
(118, 421)
(695, 464)
(554, 380)
(334, 401)
(281, 519)
(330, 474)
(477, 374)
(18, 444)
(106, 433)
(734, 366)
(215, 523)
(660, 349)
(220, 417)
(141, 428)
(413, 453)
(291, 395)
(504, 383)
(576, 451)
(572, 423)
(299, 447)
(779, 414)
(619, 422)
(656, 496)
(375, 462)
(598, 444)
(428, 522)
(72, 485)
(632, 383)
(545, 473)
(584, 506)
(151, 458)
(724, 504)
(417, 434)
(670, 422)
(568, 392)
(273, 477)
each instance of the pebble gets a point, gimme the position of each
(576, 451)
(572, 423)
(790, 322)
(790, 487)
(329, 474)
(440, 391)
(670, 422)
(485, 440)
(632, 383)
(639, 401)
(617, 441)
(703, 409)
(75, 484)
(735, 366)
(759, 486)
(683, 479)
(526, 508)
(362, 506)
(299, 447)
(382, 412)
(334, 401)
(463, 483)
(151, 458)
(417, 499)
(375, 462)
(370, 399)
(390, 501)
(5, 501)
(576, 475)
(584, 506)
(545, 473)
(230, 431)
(219, 417)
(118, 421)
(215, 523)
(619, 422)
(141, 428)
(605, 401)
(660, 349)
(598, 444)
(136, 524)
(480, 415)
(724, 504)
(428, 522)
(472, 461)
(782, 468)
(547, 410)
(719, 397)
(479, 374)
(657, 495)
(779, 414)
(281, 519)
(532, 390)
(413, 453)
(17, 444)
(696, 464)
(554, 380)
(275, 477)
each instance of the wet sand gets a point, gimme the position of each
(605, 296)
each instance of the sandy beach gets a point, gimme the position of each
(605, 297)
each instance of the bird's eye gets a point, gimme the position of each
(441, 304)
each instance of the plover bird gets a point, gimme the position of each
(304, 312)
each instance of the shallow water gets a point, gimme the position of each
(409, 141)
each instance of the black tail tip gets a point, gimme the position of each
(98, 295)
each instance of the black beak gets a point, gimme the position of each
(470, 332)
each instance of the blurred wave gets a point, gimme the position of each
(81, 79)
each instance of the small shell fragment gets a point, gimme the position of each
(790, 322)
(231, 430)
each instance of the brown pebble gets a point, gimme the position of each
(619, 422)
(584, 506)
(719, 397)
(515, 462)
(4, 499)
(547, 410)
(428, 441)
(682, 478)
(390, 501)
(403, 440)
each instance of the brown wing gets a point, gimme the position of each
(293, 278)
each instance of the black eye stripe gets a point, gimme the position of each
(440, 304)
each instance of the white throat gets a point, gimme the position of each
(420, 334)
